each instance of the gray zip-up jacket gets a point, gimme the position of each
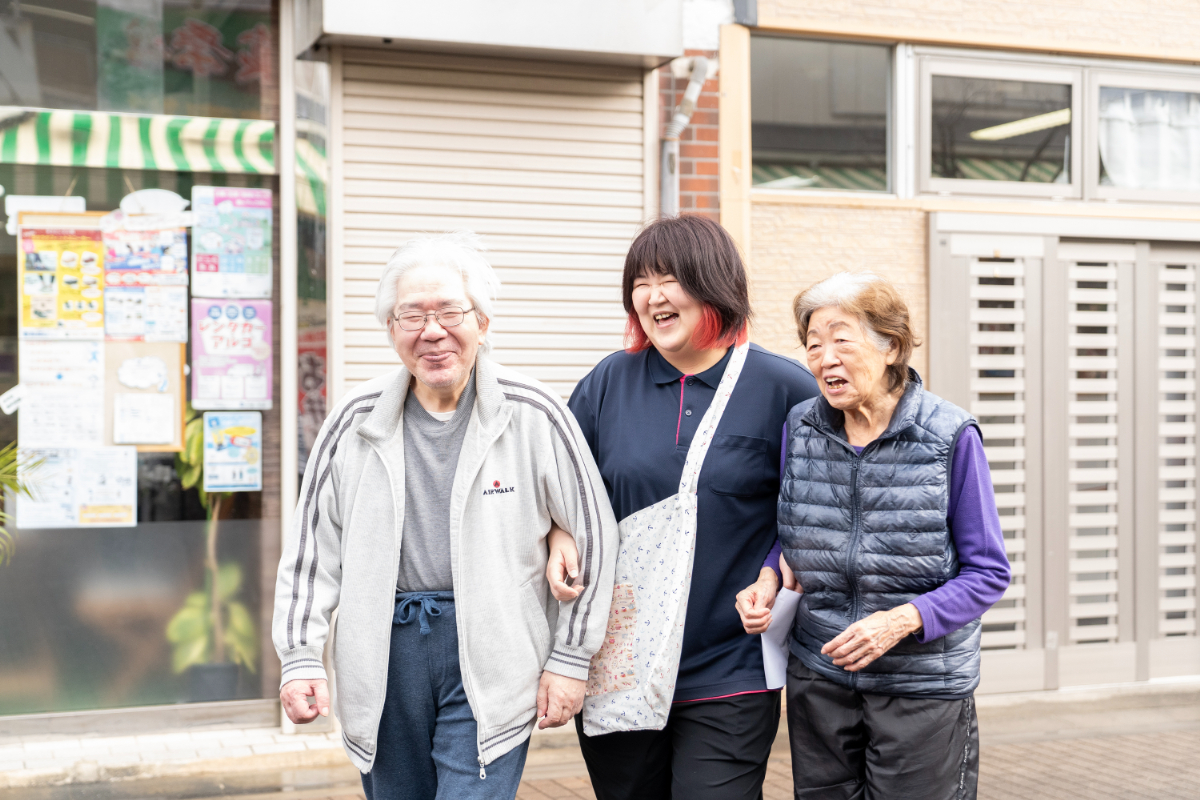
(523, 463)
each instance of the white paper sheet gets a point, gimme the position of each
(64, 398)
(81, 488)
(775, 639)
(141, 418)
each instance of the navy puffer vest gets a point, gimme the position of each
(866, 533)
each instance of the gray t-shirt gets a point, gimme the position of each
(431, 449)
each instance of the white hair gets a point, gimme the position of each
(459, 250)
(841, 291)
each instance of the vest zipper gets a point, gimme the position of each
(855, 529)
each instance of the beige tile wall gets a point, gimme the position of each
(794, 246)
(1143, 25)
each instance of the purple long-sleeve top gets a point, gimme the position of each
(984, 572)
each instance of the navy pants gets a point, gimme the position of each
(427, 736)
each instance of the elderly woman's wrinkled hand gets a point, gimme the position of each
(869, 638)
(754, 603)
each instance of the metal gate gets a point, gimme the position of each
(1074, 342)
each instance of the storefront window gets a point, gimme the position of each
(205, 58)
(85, 611)
(1001, 130)
(819, 114)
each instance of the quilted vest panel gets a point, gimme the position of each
(868, 532)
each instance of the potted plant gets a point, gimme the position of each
(213, 632)
(14, 479)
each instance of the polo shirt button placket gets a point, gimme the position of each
(687, 413)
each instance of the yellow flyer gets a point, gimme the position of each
(62, 282)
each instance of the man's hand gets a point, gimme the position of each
(755, 601)
(563, 562)
(294, 697)
(559, 698)
(868, 639)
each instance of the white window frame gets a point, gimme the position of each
(996, 70)
(1126, 79)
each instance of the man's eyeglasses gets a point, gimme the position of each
(448, 317)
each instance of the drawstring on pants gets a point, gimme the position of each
(421, 604)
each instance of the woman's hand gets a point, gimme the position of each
(789, 577)
(869, 638)
(563, 563)
(755, 601)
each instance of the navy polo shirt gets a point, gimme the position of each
(639, 414)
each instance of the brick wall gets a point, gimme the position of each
(796, 246)
(1143, 25)
(698, 186)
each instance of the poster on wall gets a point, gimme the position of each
(231, 354)
(310, 379)
(145, 258)
(63, 404)
(81, 487)
(231, 242)
(232, 451)
(144, 395)
(61, 280)
(146, 313)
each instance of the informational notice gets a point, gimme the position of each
(232, 451)
(231, 245)
(145, 258)
(81, 487)
(63, 404)
(231, 354)
(146, 313)
(62, 283)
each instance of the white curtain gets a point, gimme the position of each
(1150, 140)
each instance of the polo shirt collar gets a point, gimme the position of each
(662, 372)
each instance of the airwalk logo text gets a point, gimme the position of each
(496, 489)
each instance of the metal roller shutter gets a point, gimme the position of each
(546, 161)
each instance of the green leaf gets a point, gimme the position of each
(241, 639)
(193, 437)
(193, 651)
(191, 622)
(229, 580)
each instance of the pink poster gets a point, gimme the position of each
(231, 354)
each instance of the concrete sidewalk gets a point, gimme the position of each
(1102, 743)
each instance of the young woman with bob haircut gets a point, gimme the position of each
(889, 527)
(685, 290)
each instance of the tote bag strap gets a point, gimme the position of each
(712, 418)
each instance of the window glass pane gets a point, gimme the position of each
(1149, 139)
(819, 113)
(84, 611)
(206, 58)
(1001, 130)
(312, 174)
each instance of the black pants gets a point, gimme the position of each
(848, 745)
(710, 750)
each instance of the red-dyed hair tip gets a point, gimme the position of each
(707, 335)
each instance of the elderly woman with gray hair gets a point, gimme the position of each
(888, 527)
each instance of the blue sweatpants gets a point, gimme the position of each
(426, 749)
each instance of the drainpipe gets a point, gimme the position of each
(669, 191)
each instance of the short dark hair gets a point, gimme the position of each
(703, 257)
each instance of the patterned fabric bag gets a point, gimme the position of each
(632, 678)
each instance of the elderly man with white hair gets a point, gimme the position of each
(422, 519)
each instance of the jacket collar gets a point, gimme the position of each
(832, 422)
(384, 422)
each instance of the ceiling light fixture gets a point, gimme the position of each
(1021, 127)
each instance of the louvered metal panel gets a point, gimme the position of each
(1175, 333)
(546, 161)
(998, 399)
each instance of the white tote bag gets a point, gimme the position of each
(632, 678)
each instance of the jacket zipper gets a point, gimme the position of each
(855, 530)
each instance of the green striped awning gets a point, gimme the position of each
(792, 176)
(310, 178)
(132, 141)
